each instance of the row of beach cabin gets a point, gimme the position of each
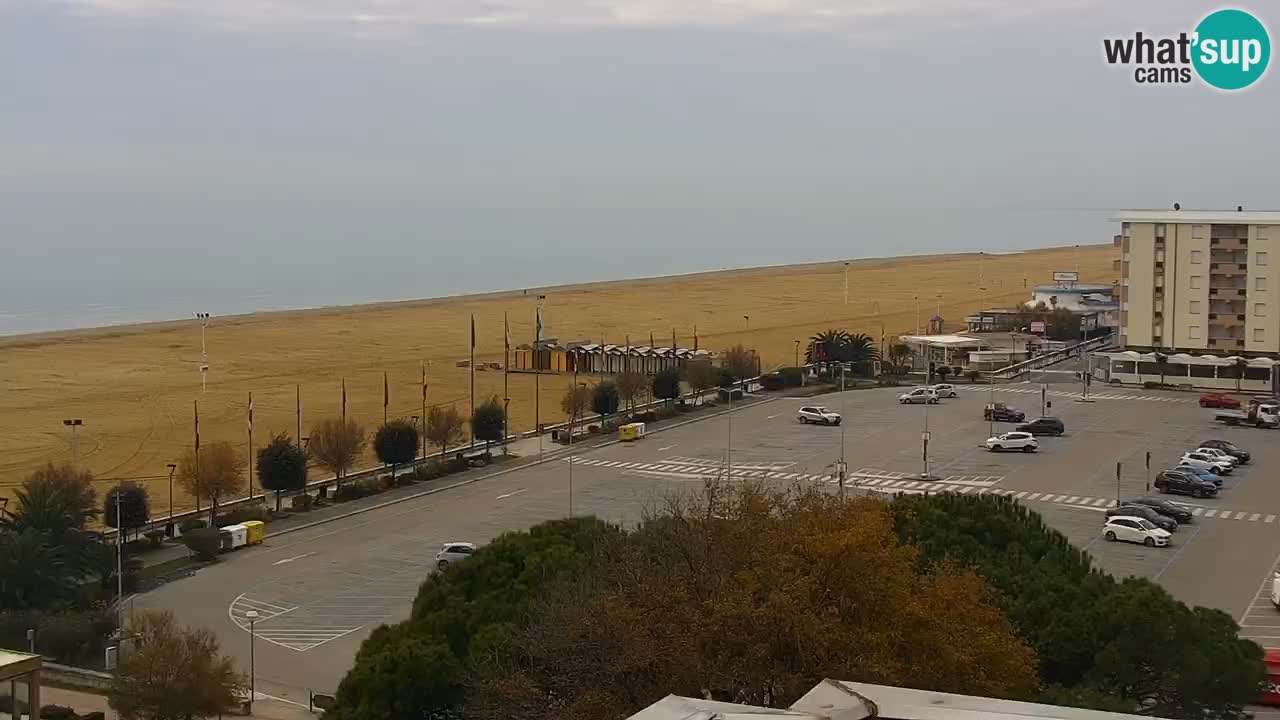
(587, 357)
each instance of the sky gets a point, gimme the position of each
(164, 156)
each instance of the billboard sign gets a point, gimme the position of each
(1037, 326)
(1066, 276)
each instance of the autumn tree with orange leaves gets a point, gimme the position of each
(752, 596)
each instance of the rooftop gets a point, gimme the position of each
(17, 663)
(1224, 217)
(842, 700)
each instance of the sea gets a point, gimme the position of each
(65, 271)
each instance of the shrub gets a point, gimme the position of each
(772, 381)
(429, 470)
(593, 429)
(973, 376)
(358, 489)
(647, 416)
(253, 511)
(300, 503)
(72, 638)
(457, 463)
(155, 536)
(190, 524)
(791, 376)
(1150, 384)
(204, 543)
(58, 712)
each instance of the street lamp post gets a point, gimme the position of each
(924, 440)
(74, 424)
(172, 469)
(252, 615)
(573, 416)
(203, 317)
(846, 283)
(747, 318)
(842, 467)
(415, 427)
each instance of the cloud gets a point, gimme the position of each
(364, 16)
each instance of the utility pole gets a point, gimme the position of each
(924, 438)
(119, 563)
(991, 422)
(172, 469)
(917, 315)
(841, 468)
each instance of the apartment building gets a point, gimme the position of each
(1200, 288)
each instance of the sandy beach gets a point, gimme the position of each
(135, 386)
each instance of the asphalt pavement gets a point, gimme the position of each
(319, 591)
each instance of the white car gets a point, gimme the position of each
(945, 390)
(1024, 441)
(1219, 454)
(452, 552)
(919, 396)
(817, 415)
(1206, 462)
(1135, 529)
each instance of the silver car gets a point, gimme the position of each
(452, 552)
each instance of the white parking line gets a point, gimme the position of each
(1033, 496)
(1198, 511)
(1020, 495)
(1210, 513)
(1269, 518)
(1254, 517)
(1072, 499)
(1100, 502)
(1240, 516)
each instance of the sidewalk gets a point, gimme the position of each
(523, 453)
(264, 708)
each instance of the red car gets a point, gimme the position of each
(1219, 400)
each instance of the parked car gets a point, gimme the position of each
(1150, 514)
(1164, 507)
(999, 412)
(1219, 400)
(1043, 426)
(452, 552)
(945, 390)
(1206, 462)
(817, 415)
(1204, 475)
(1258, 415)
(1220, 454)
(1135, 529)
(1024, 441)
(1240, 453)
(919, 396)
(1180, 483)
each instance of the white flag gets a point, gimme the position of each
(538, 332)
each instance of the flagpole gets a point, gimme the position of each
(424, 409)
(537, 374)
(250, 445)
(344, 401)
(298, 413)
(386, 397)
(473, 365)
(506, 389)
(196, 404)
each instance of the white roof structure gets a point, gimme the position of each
(1221, 217)
(842, 700)
(945, 340)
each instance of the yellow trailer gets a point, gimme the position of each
(631, 432)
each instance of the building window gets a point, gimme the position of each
(1196, 257)
(1259, 335)
(1124, 229)
(1260, 283)
(1193, 332)
(1159, 230)
(1195, 281)
(1197, 232)
(1194, 307)
(1262, 257)
(1259, 309)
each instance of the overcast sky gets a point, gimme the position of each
(180, 150)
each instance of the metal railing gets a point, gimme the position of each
(1051, 358)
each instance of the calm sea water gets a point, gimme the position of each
(75, 268)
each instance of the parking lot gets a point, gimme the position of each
(319, 592)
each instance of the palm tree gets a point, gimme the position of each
(826, 346)
(860, 350)
(1241, 365)
(899, 353)
(1162, 361)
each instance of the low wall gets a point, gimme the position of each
(66, 676)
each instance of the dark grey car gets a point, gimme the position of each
(1164, 522)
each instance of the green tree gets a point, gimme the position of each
(336, 444)
(861, 351)
(489, 422)
(944, 371)
(900, 356)
(576, 400)
(630, 385)
(604, 399)
(133, 505)
(847, 600)
(174, 673)
(1093, 636)
(444, 427)
(740, 361)
(396, 443)
(34, 573)
(666, 384)
(1162, 362)
(418, 668)
(701, 376)
(282, 466)
(54, 499)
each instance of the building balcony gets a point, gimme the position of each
(1225, 321)
(1229, 256)
(1225, 269)
(1226, 343)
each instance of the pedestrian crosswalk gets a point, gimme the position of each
(1099, 396)
(900, 483)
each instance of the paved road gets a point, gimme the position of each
(320, 592)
